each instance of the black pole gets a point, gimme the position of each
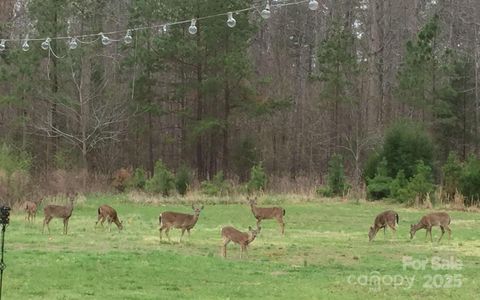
(2, 264)
(4, 220)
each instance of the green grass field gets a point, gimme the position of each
(325, 254)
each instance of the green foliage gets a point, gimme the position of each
(470, 180)
(244, 157)
(452, 171)
(13, 160)
(378, 187)
(405, 144)
(218, 186)
(370, 169)
(421, 183)
(138, 180)
(258, 179)
(399, 187)
(182, 180)
(336, 181)
(162, 181)
(324, 191)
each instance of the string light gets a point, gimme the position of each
(128, 37)
(266, 12)
(313, 5)
(73, 44)
(231, 22)
(26, 46)
(105, 39)
(46, 44)
(193, 28)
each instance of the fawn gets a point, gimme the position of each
(242, 238)
(108, 213)
(31, 210)
(386, 218)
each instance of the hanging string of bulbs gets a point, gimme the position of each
(73, 41)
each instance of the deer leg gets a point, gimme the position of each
(393, 229)
(183, 232)
(449, 232)
(65, 226)
(384, 232)
(160, 230)
(258, 223)
(242, 247)
(45, 222)
(224, 247)
(443, 232)
(188, 231)
(430, 231)
(282, 225)
(166, 233)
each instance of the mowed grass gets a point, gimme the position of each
(325, 254)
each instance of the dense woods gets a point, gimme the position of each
(286, 94)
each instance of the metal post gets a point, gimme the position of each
(4, 220)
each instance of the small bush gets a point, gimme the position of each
(162, 180)
(421, 184)
(399, 187)
(336, 176)
(324, 191)
(470, 180)
(138, 179)
(258, 179)
(182, 180)
(218, 186)
(14, 174)
(452, 171)
(379, 186)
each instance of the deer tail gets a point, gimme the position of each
(160, 219)
(397, 218)
(283, 211)
(99, 211)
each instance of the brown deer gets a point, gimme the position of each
(61, 212)
(262, 213)
(109, 214)
(242, 238)
(387, 218)
(186, 222)
(31, 210)
(441, 219)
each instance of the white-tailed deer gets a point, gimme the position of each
(109, 214)
(31, 210)
(387, 218)
(262, 213)
(441, 219)
(58, 211)
(242, 238)
(186, 222)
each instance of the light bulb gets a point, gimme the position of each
(73, 44)
(105, 39)
(266, 12)
(193, 29)
(2, 45)
(46, 44)
(128, 37)
(25, 46)
(231, 21)
(313, 5)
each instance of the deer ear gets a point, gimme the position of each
(249, 228)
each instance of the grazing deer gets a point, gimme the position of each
(262, 213)
(61, 212)
(109, 214)
(31, 210)
(186, 222)
(441, 219)
(242, 238)
(387, 218)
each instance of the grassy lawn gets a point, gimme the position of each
(324, 254)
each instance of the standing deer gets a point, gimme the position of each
(262, 213)
(387, 218)
(109, 214)
(61, 212)
(186, 222)
(441, 219)
(31, 210)
(242, 238)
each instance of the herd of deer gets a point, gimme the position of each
(185, 222)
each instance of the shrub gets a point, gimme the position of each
(470, 179)
(452, 171)
(421, 183)
(138, 180)
(399, 187)
(379, 186)
(258, 179)
(244, 157)
(14, 174)
(182, 180)
(218, 186)
(324, 191)
(336, 176)
(162, 180)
